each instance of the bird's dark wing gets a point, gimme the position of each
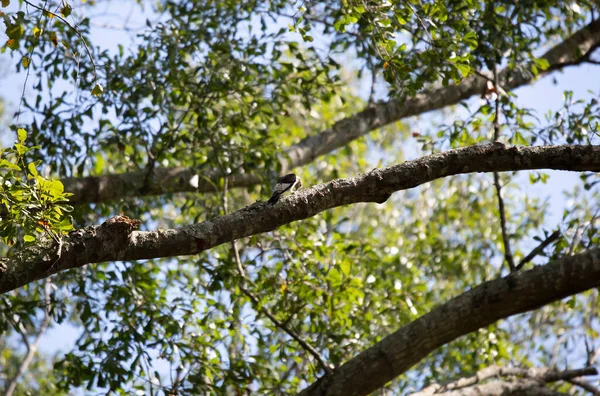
(287, 179)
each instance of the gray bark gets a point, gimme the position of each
(173, 180)
(115, 240)
(540, 375)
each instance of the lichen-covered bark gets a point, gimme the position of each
(477, 308)
(113, 241)
(163, 180)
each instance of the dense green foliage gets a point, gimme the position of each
(226, 86)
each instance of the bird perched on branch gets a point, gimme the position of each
(285, 183)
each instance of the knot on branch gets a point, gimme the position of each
(117, 229)
(120, 224)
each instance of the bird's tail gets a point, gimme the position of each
(274, 199)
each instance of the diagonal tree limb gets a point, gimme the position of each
(115, 241)
(522, 387)
(545, 375)
(90, 189)
(480, 307)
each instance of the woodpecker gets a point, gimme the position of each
(285, 183)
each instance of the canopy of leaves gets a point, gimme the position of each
(225, 87)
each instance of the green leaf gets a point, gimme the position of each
(463, 69)
(98, 90)
(8, 165)
(21, 134)
(345, 267)
(31, 168)
(542, 63)
(55, 188)
(21, 148)
(29, 238)
(471, 39)
(14, 31)
(66, 10)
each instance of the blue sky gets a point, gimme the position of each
(542, 96)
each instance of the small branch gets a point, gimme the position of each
(256, 302)
(73, 28)
(553, 237)
(497, 114)
(585, 386)
(507, 250)
(373, 84)
(236, 253)
(594, 358)
(287, 330)
(31, 347)
(276, 322)
(238, 262)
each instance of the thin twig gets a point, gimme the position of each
(553, 237)
(594, 358)
(585, 386)
(33, 346)
(507, 250)
(73, 28)
(281, 325)
(236, 253)
(286, 329)
(373, 84)
(497, 114)
(28, 69)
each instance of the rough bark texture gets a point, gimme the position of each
(111, 242)
(524, 387)
(540, 375)
(115, 240)
(163, 180)
(477, 308)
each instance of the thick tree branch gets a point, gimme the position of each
(171, 180)
(480, 307)
(115, 240)
(543, 375)
(522, 387)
